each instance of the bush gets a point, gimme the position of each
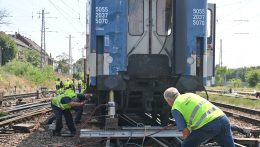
(258, 86)
(31, 73)
(253, 77)
(1, 72)
(235, 82)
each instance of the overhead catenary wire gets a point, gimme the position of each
(59, 10)
(59, 30)
(65, 4)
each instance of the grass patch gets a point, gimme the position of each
(240, 89)
(22, 77)
(244, 102)
(3, 114)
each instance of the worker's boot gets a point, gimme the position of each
(54, 133)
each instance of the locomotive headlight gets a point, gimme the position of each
(109, 59)
(190, 60)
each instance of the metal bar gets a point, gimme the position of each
(239, 145)
(150, 132)
(159, 142)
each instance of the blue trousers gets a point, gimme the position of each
(219, 130)
(68, 118)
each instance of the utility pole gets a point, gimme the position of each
(43, 42)
(220, 54)
(70, 56)
(86, 74)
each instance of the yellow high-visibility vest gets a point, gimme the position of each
(196, 110)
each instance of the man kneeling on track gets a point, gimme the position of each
(198, 119)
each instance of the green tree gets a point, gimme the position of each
(235, 82)
(79, 65)
(220, 75)
(33, 57)
(63, 63)
(258, 86)
(9, 48)
(253, 77)
(79, 69)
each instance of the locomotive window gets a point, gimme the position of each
(136, 17)
(163, 17)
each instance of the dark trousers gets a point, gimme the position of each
(68, 118)
(79, 88)
(57, 87)
(51, 119)
(219, 130)
(79, 111)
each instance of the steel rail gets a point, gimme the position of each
(27, 107)
(24, 116)
(238, 108)
(247, 119)
(26, 95)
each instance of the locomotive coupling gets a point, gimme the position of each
(111, 109)
(111, 105)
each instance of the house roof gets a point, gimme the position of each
(27, 41)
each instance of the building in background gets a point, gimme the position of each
(24, 42)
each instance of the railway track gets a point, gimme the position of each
(23, 112)
(250, 115)
(18, 114)
(245, 120)
(236, 93)
(25, 95)
(140, 122)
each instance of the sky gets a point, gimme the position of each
(63, 18)
(237, 23)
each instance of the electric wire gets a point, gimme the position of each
(65, 4)
(58, 9)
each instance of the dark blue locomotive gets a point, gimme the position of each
(138, 48)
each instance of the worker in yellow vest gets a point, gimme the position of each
(69, 92)
(57, 84)
(61, 105)
(79, 85)
(198, 119)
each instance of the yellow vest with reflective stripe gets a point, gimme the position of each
(196, 110)
(57, 82)
(80, 82)
(60, 91)
(56, 101)
(70, 93)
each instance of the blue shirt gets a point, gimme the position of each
(180, 122)
(66, 100)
